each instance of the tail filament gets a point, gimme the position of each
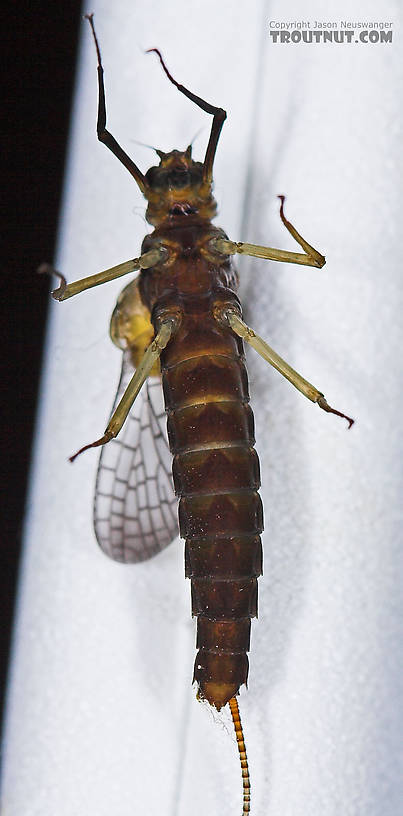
(236, 719)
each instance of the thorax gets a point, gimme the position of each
(192, 273)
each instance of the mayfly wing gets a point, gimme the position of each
(135, 508)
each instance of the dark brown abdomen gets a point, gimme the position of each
(216, 476)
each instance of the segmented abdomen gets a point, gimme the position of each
(216, 476)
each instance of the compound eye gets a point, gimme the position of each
(157, 178)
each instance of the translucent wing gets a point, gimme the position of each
(135, 509)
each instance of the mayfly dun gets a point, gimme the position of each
(180, 321)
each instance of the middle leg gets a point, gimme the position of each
(311, 256)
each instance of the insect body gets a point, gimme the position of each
(182, 312)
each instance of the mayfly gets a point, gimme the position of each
(181, 320)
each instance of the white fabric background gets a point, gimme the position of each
(102, 718)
